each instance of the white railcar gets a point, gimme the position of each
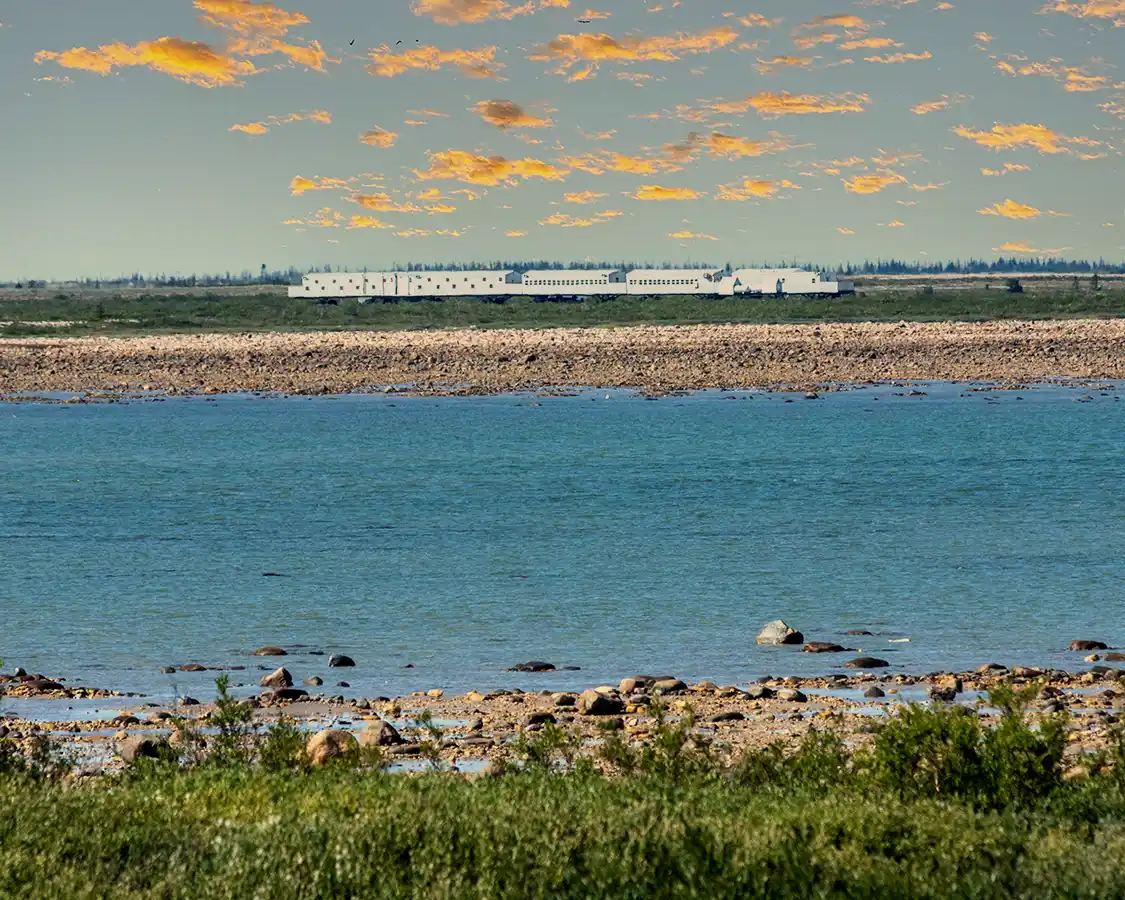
(659, 282)
(573, 282)
(461, 283)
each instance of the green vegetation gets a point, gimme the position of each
(940, 806)
(110, 314)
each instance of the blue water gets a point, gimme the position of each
(620, 535)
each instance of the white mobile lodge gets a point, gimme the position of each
(567, 284)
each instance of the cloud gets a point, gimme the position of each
(769, 105)
(592, 15)
(1089, 9)
(691, 236)
(896, 224)
(515, 234)
(756, 20)
(837, 20)
(1008, 167)
(752, 189)
(478, 63)
(506, 114)
(323, 218)
(1024, 247)
(570, 49)
(656, 192)
(946, 101)
(1007, 137)
(188, 61)
(421, 232)
(1115, 107)
(367, 222)
(928, 187)
(899, 57)
(260, 28)
(459, 12)
(259, 128)
(567, 221)
(1074, 79)
(847, 231)
(379, 137)
(1009, 209)
(768, 66)
(873, 184)
(601, 161)
(382, 202)
(471, 168)
(300, 185)
(583, 197)
(984, 37)
(870, 43)
(812, 40)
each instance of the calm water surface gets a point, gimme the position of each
(620, 535)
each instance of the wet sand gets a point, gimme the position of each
(651, 358)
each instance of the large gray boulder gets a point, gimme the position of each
(777, 632)
(591, 703)
(325, 746)
(383, 734)
(278, 678)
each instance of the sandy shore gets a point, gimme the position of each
(648, 358)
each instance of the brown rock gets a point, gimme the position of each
(1087, 645)
(287, 694)
(591, 703)
(866, 662)
(270, 651)
(325, 746)
(825, 647)
(669, 686)
(278, 678)
(141, 746)
(791, 695)
(539, 718)
(192, 667)
(383, 734)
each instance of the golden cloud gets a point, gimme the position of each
(323, 218)
(896, 224)
(258, 128)
(515, 234)
(770, 105)
(379, 137)
(1024, 247)
(421, 232)
(602, 161)
(838, 20)
(899, 57)
(1074, 79)
(1008, 137)
(1008, 167)
(945, 102)
(756, 20)
(506, 114)
(928, 187)
(367, 222)
(592, 15)
(479, 63)
(873, 184)
(260, 27)
(188, 61)
(383, 203)
(812, 40)
(583, 197)
(1009, 209)
(752, 189)
(845, 231)
(300, 185)
(691, 236)
(870, 43)
(255, 128)
(767, 66)
(458, 12)
(570, 49)
(471, 168)
(657, 192)
(1089, 9)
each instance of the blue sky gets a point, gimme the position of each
(666, 130)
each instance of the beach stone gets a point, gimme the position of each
(634, 684)
(952, 681)
(187, 701)
(825, 647)
(777, 632)
(270, 651)
(475, 725)
(534, 665)
(866, 662)
(566, 700)
(19, 672)
(192, 667)
(288, 694)
(669, 686)
(759, 692)
(325, 746)
(140, 746)
(313, 681)
(791, 695)
(874, 692)
(1087, 645)
(340, 662)
(858, 632)
(639, 700)
(539, 718)
(944, 693)
(1093, 657)
(381, 734)
(125, 719)
(4, 732)
(732, 716)
(705, 686)
(167, 670)
(591, 703)
(1028, 672)
(342, 684)
(42, 685)
(435, 693)
(992, 667)
(278, 678)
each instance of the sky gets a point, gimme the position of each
(184, 136)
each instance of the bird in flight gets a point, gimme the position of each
(352, 43)
(584, 21)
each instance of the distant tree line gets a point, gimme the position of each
(292, 275)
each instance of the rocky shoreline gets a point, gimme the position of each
(651, 358)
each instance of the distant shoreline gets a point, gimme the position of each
(648, 358)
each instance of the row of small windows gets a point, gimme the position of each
(689, 281)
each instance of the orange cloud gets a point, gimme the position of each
(752, 189)
(602, 161)
(756, 20)
(260, 27)
(896, 224)
(583, 197)
(767, 66)
(506, 114)
(566, 221)
(383, 203)
(945, 102)
(656, 192)
(691, 236)
(1008, 167)
(255, 128)
(1074, 79)
(593, 15)
(770, 105)
(188, 61)
(457, 12)
(838, 20)
(258, 128)
(1089, 9)
(479, 63)
(812, 40)
(928, 187)
(421, 232)
(323, 218)
(1009, 209)
(846, 231)
(1024, 247)
(515, 234)
(300, 185)
(379, 137)
(870, 43)
(899, 57)
(570, 49)
(367, 222)
(1008, 137)
(470, 168)
(873, 184)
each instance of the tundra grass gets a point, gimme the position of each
(113, 315)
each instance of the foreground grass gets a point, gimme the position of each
(940, 806)
(146, 315)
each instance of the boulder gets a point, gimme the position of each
(534, 665)
(791, 695)
(874, 692)
(566, 700)
(1028, 672)
(1115, 657)
(313, 681)
(270, 651)
(325, 746)
(992, 668)
(383, 734)
(944, 693)
(591, 703)
(825, 647)
(732, 716)
(858, 632)
(1087, 645)
(141, 746)
(278, 678)
(634, 684)
(42, 685)
(669, 686)
(340, 662)
(167, 670)
(539, 718)
(19, 672)
(124, 719)
(288, 694)
(777, 632)
(343, 684)
(866, 662)
(187, 701)
(192, 667)
(760, 692)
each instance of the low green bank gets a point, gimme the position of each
(216, 312)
